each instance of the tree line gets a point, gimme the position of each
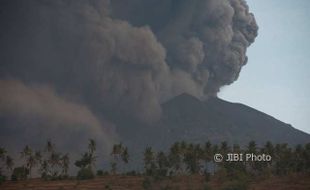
(181, 158)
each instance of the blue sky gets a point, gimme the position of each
(276, 79)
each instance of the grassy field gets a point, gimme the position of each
(292, 182)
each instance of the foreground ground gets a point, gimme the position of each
(292, 182)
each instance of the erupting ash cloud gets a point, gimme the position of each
(37, 113)
(205, 40)
(115, 57)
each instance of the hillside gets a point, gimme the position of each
(186, 118)
(219, 120)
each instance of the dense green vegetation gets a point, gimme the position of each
(181, 159)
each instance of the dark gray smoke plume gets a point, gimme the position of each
(205, 40)
(113, 57)
(36, 114)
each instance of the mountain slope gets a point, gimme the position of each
(190, 119)
(219, 120)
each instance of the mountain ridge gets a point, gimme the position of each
(186, 118)
(228, 116)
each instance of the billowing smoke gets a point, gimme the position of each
(77, 48)
(114, 57)
(205, 40)
(36, 114)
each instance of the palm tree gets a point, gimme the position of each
(215, 150)
(29, 159)
(306, 157)
(38, 156)
(148, 155)
(85, 163)
(2, 153)
(299, 164)
(224, 150)
(193, 157)
(119, 152)
(162, 163)
(2, 157)
(46, 160)
(148, 160)
(268, 149)
(65, 162)
(285, 161)
(189, 160)
(54, 159)
(52, 166)
(117, 149)
(175, 157)
(183, 146)
(116, 153)
(125, 155)
(91, 146)
(207, 154)
(50, 147)
(236, 148)
(54, 163)
(44, 169)
(199, 154)
(31, 162)
(91, 150)
(252, 149)
(236, 167)
(27, 151)
(9, 163)
(224, 147)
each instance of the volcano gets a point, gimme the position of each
(186, 118)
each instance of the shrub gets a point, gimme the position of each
(19, 173)
(2, 179)
(13, 177)
(146, 183)
(131, 173)
(44, 176)
(99, 173)
(106, 173)
(85, 173)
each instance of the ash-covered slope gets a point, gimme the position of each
(187, 118)
(218, 120)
